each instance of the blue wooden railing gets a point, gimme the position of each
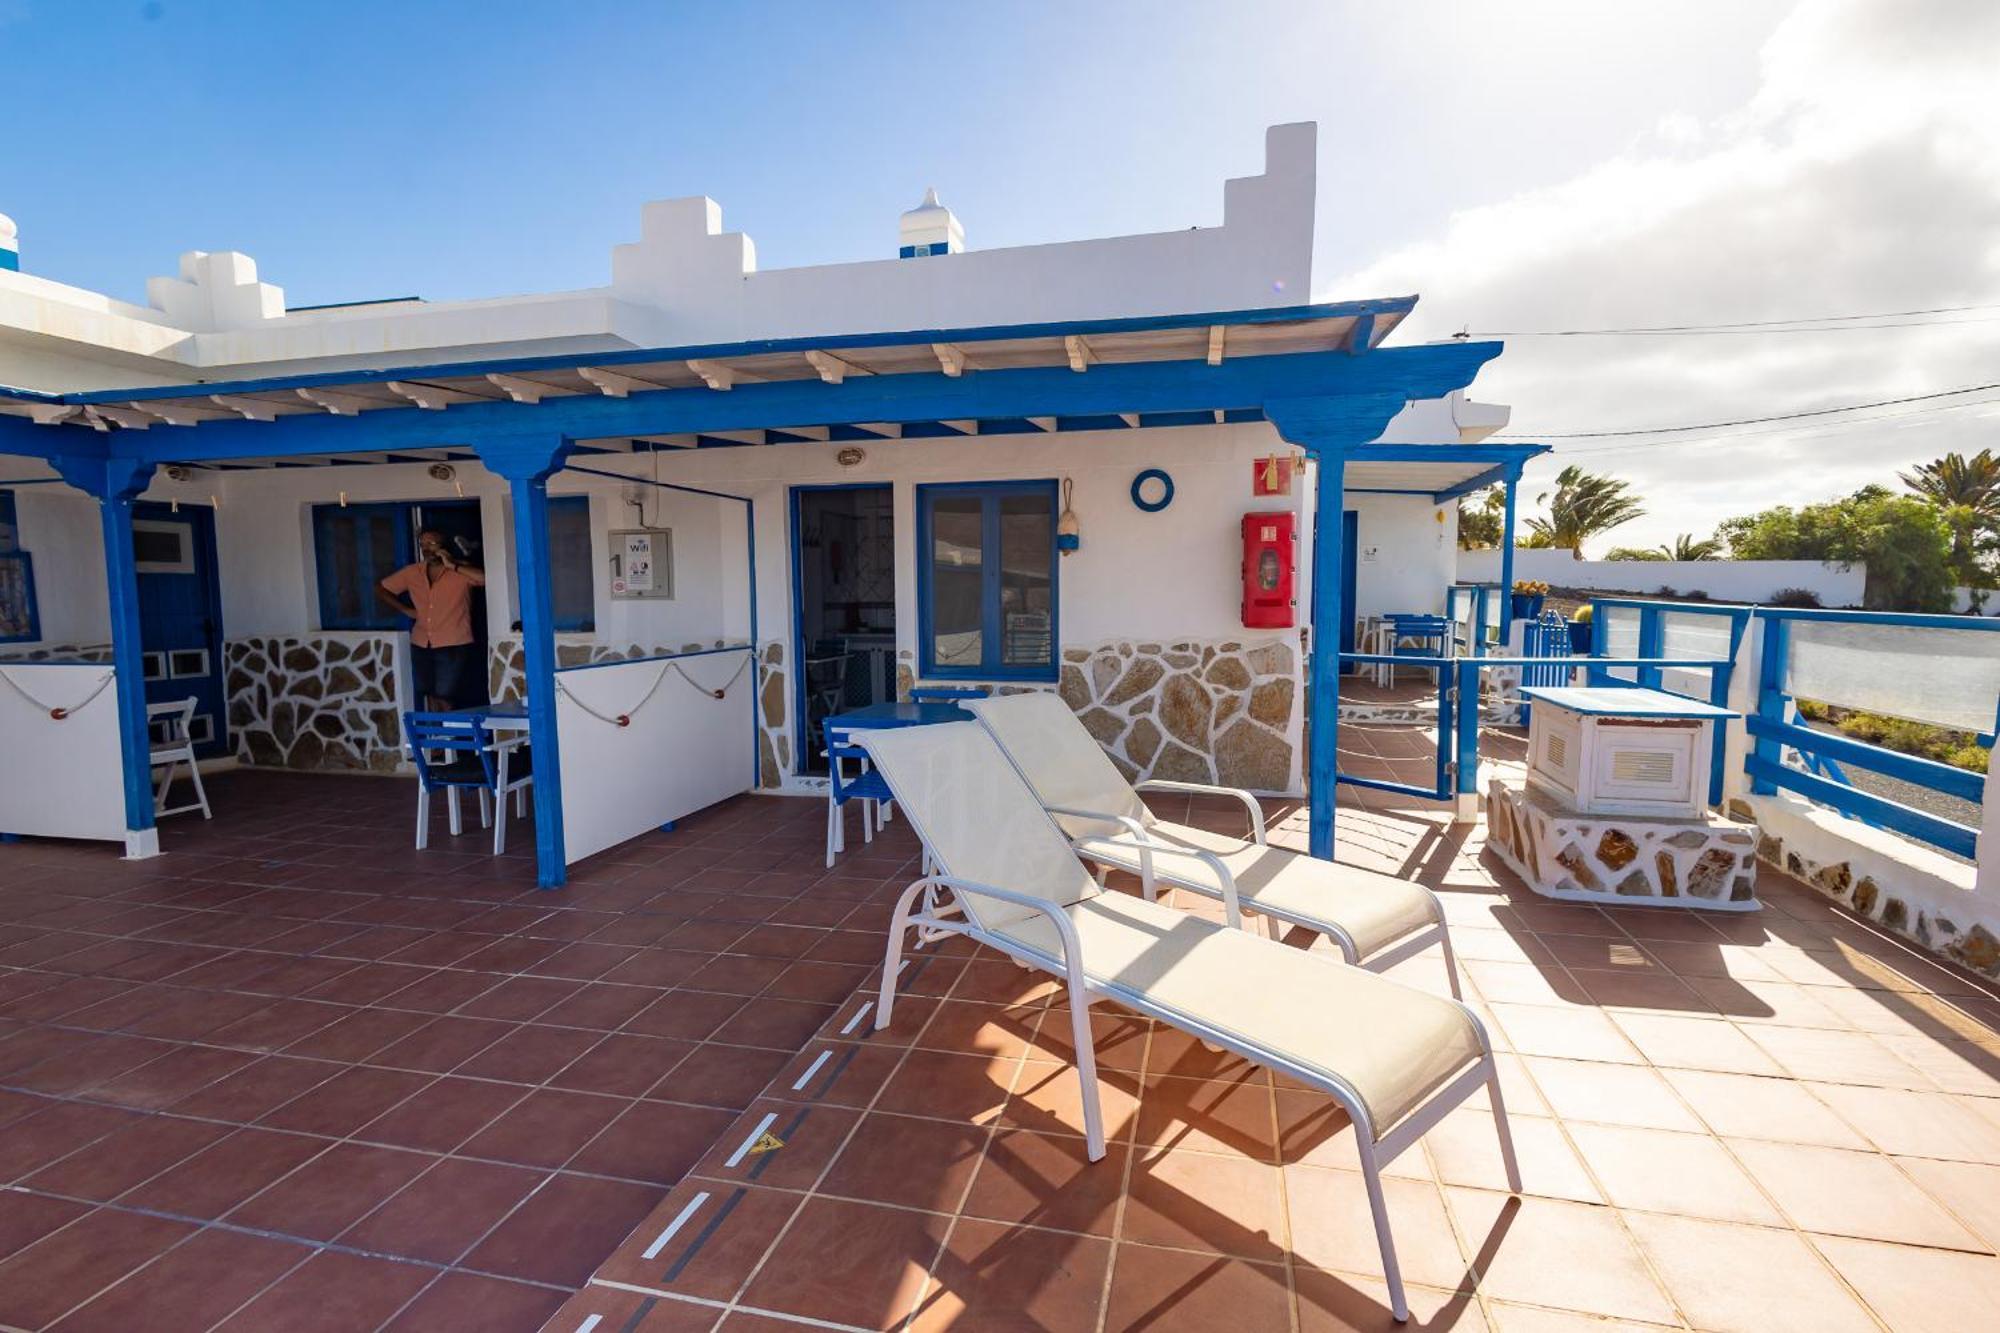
(1778, 738)
(1632, 643)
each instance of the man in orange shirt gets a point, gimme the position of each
(439, 588)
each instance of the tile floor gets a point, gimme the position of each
(295, 1076)
(1769, 1123)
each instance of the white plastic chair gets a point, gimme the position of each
(176, 749)
(1377, 920)
(1397, 1059)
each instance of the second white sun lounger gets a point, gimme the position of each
(1376, 919)
(1397, 1059)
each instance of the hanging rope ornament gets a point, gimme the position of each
(625, 719)
(1069, 533)
(58, 712)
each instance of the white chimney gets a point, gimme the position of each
(929, 229)
(10, 244)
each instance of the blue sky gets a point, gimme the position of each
(448, 150)
(1532, 164)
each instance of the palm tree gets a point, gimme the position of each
(1688, 547)
(1481, 519)
(1583, 506)
(1967, 490)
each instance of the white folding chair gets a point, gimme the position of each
(173, 750)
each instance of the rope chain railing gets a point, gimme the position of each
(54, 711)
(624, 719)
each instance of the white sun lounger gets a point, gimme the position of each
(1396, 1058)
(1376, 919)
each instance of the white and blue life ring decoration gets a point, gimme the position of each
(1162, 495)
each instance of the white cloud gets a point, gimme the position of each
(1863, 175)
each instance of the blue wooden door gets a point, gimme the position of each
(180, 616)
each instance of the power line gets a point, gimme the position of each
(1768, 325)
(1829, 428)
(1746, 421)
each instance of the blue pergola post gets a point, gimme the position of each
(1328, 609)
(527, 461)
(117, 484)
(1507, 561)
(1326, 428)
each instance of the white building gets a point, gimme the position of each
(835, 451)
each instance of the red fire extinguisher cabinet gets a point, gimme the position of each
(1270, 570)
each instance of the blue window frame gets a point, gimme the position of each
(355, 547)
(572, 571)
(986, 580)
(20, 619)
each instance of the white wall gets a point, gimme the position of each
(60, 529)
(684, 281)
(1748, 581)
(1137, 575)
(1405, 554)
(60, 532)
(63, 778)
(265, 556)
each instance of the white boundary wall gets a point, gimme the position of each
(61, 778)
(683, 750)
(1745, 581)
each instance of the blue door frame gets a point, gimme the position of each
(802, 738)
(180, 617)
(1350, 568)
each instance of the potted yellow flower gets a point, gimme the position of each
(1528, 597)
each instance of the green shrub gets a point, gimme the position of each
(1957, 748)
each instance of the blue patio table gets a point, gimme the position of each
(896, 713)
(868, 787)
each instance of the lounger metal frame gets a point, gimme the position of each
(1409, 946)
(926, 906)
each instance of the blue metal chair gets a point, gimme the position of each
(866, 786)
(454, 752)
(1417, 636)
(946, 694)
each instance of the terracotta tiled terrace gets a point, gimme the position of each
(296, 1076)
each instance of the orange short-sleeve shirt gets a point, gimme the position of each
(444, 606)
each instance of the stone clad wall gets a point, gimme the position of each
(56, 652)
(315, 701)
(1220, 712)
(1620, 858)
(774, 703)
(1875, 887)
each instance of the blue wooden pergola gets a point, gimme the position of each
(1315, 372)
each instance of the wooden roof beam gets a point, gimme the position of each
(520, 390)
(340, 404)
(833, 369)
(613, 384)
(250, 409)
(715, 375)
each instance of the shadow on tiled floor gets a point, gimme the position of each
(1772, 1123)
